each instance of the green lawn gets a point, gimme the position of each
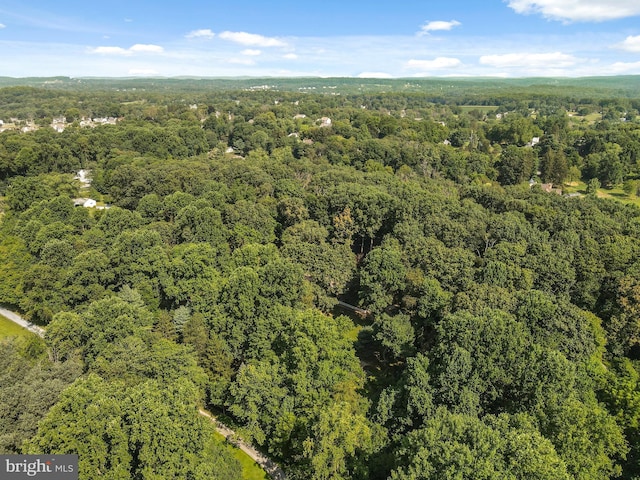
(250, 469)
(10, 329)
(613, 193)
(590, 118)
(618, 194)
(593, 117)
(574, 187)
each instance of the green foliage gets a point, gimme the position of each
(587, 438)
(395, 334)
(14, 260)
(558, 325)
(201, 225)
(109, 320)
(499, 316)
(256, 397)
(194, 276)
(280, 401)
(24, 191)
(382, 277)
(516, 165)
(142, 431)
(337, 435)
(330, 265)
(592, 187)
(463, 447)
(489, 364)
(28, 389)
(65, 335)
(195, 333)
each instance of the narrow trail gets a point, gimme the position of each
(266, 463)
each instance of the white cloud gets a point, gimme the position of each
(374, 75)
(530, 60)
(143, 71)
(620, 68)
(578, 10)
(630, 44)
(437, 25)
(139, 47)
(128, 20)
(252, 39)
(2, 25)
(242, 61)
(435, 64)
(250, 52)
(202, 33)
(110, 51)
(586, 54)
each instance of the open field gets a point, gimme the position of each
(592, 117)
(618, 194)
(588, 119)
(613, 193)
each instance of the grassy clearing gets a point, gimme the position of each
(612, 193)
(593, 117)
(619, 195)
(574, 187)
(250, 469)
(10, 329)
(590, 118)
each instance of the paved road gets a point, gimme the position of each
(266, 463)
(14, 317)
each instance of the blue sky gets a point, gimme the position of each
(504, 38)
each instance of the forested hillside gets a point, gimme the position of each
(501, 332)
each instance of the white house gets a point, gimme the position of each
(325, 122)
(534, 141)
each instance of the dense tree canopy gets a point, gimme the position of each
(493, 322)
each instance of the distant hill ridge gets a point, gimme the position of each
(628, 85)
